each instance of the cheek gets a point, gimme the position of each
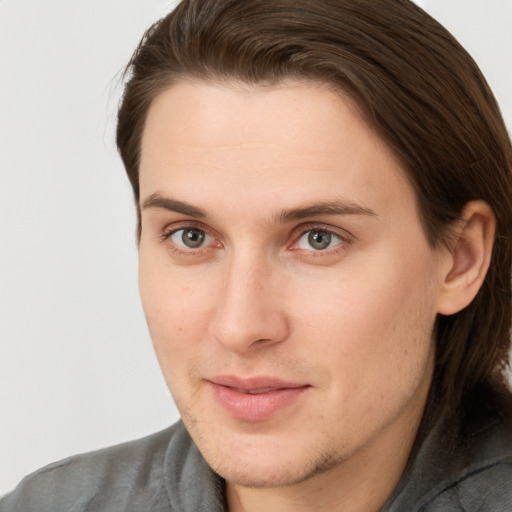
(373, 340)
(373, 319)
(178, 308)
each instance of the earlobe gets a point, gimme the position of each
(468, 259)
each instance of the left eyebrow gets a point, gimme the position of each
(318, 209)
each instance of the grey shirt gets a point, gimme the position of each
(166, 472)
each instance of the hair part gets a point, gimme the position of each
(417, 88)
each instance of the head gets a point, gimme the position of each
(408, 80)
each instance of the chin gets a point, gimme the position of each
(256, 478)
(268, 466)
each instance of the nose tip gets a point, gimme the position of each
(242, 338)
(248, 330)
(248, 314)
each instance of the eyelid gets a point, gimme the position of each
(171, 228)
(174, 227)
(305, 228)
(206, 238)
(345, 237)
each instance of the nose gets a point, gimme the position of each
(250, 310)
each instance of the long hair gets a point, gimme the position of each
(418, 89)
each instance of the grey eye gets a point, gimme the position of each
(191, 238)
(318, 240)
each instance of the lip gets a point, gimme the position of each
(254, 399)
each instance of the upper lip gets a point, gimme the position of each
(255, 383)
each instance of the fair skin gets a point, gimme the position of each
(290, 291)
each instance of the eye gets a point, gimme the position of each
(190, 238)
(318, 240)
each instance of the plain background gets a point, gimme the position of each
(77, 370)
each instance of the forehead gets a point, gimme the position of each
(289, 142)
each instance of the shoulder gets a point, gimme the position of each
(484, 489)
(115, 478)
(480, 474)
(456, 469)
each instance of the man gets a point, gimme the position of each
(323, 192)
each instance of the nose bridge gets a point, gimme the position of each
(248, 310)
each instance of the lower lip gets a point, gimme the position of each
(257, 407)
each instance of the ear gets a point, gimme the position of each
(468, 258)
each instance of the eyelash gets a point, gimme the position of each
(344, 237)
(171, 230)
(345, 240)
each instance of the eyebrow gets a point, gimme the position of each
(157, 201)
(339, 207)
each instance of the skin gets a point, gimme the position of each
(353, 321)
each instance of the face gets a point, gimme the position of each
(288, 285)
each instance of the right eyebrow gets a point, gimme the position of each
(166, 203)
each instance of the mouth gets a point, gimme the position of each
(255, 399)
(256, 391)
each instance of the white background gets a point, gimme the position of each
(77, 370)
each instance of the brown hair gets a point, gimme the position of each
(419, 89)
